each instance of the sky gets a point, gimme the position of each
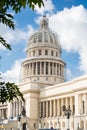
(67, 18)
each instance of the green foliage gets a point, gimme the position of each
(9, 91)
(16, 6)
(4, 43)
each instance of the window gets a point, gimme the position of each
(33, 53)
(56, 54)
(34, 70)
(45, 37)
(47, 68)
(57, 69)
(35, 38)
(39, 52)
(40, 37)
(51, 39)
(83, 105)
(38, 67)
(46, 52)
(42, 68)
(51, 68)
(51, 53)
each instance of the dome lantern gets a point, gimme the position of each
(44, 23)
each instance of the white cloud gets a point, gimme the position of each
(71, 26)
(69, 75)
(13, 74)
(48, 7)
(17, 36)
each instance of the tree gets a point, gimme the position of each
(16, 6)
(9, 91)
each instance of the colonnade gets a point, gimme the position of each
(43, 68)
(53, 108)
(16, 108)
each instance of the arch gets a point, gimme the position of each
(24, 126)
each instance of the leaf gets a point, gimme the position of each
(4, 43)
(9, 91)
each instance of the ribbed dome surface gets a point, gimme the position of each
(44, 37)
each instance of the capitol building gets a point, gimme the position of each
(50, 102)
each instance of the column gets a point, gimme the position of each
(40, 68)
(49, 68)
(29, 69)
(11, 112)
(32, 68)
(54, 108)
(36, 68)
(40, 110)
(77, 105)
(58, 107)
(16, 108)
(59, 69)
(71, 105)
(46, 108)
(20, 104)
(43, 109)
(66, 102)
(85, 102)
(62, 103)
(56, 69)
(44, 68)
(50, 108)
(52, 68)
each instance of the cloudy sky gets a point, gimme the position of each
(67, 18)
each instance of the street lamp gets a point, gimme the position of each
(23, 114)
(58, 123)
(19, 119)
(67, 112)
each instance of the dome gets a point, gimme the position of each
(43, 63)
(44, 37)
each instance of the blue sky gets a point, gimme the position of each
(67, 18)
